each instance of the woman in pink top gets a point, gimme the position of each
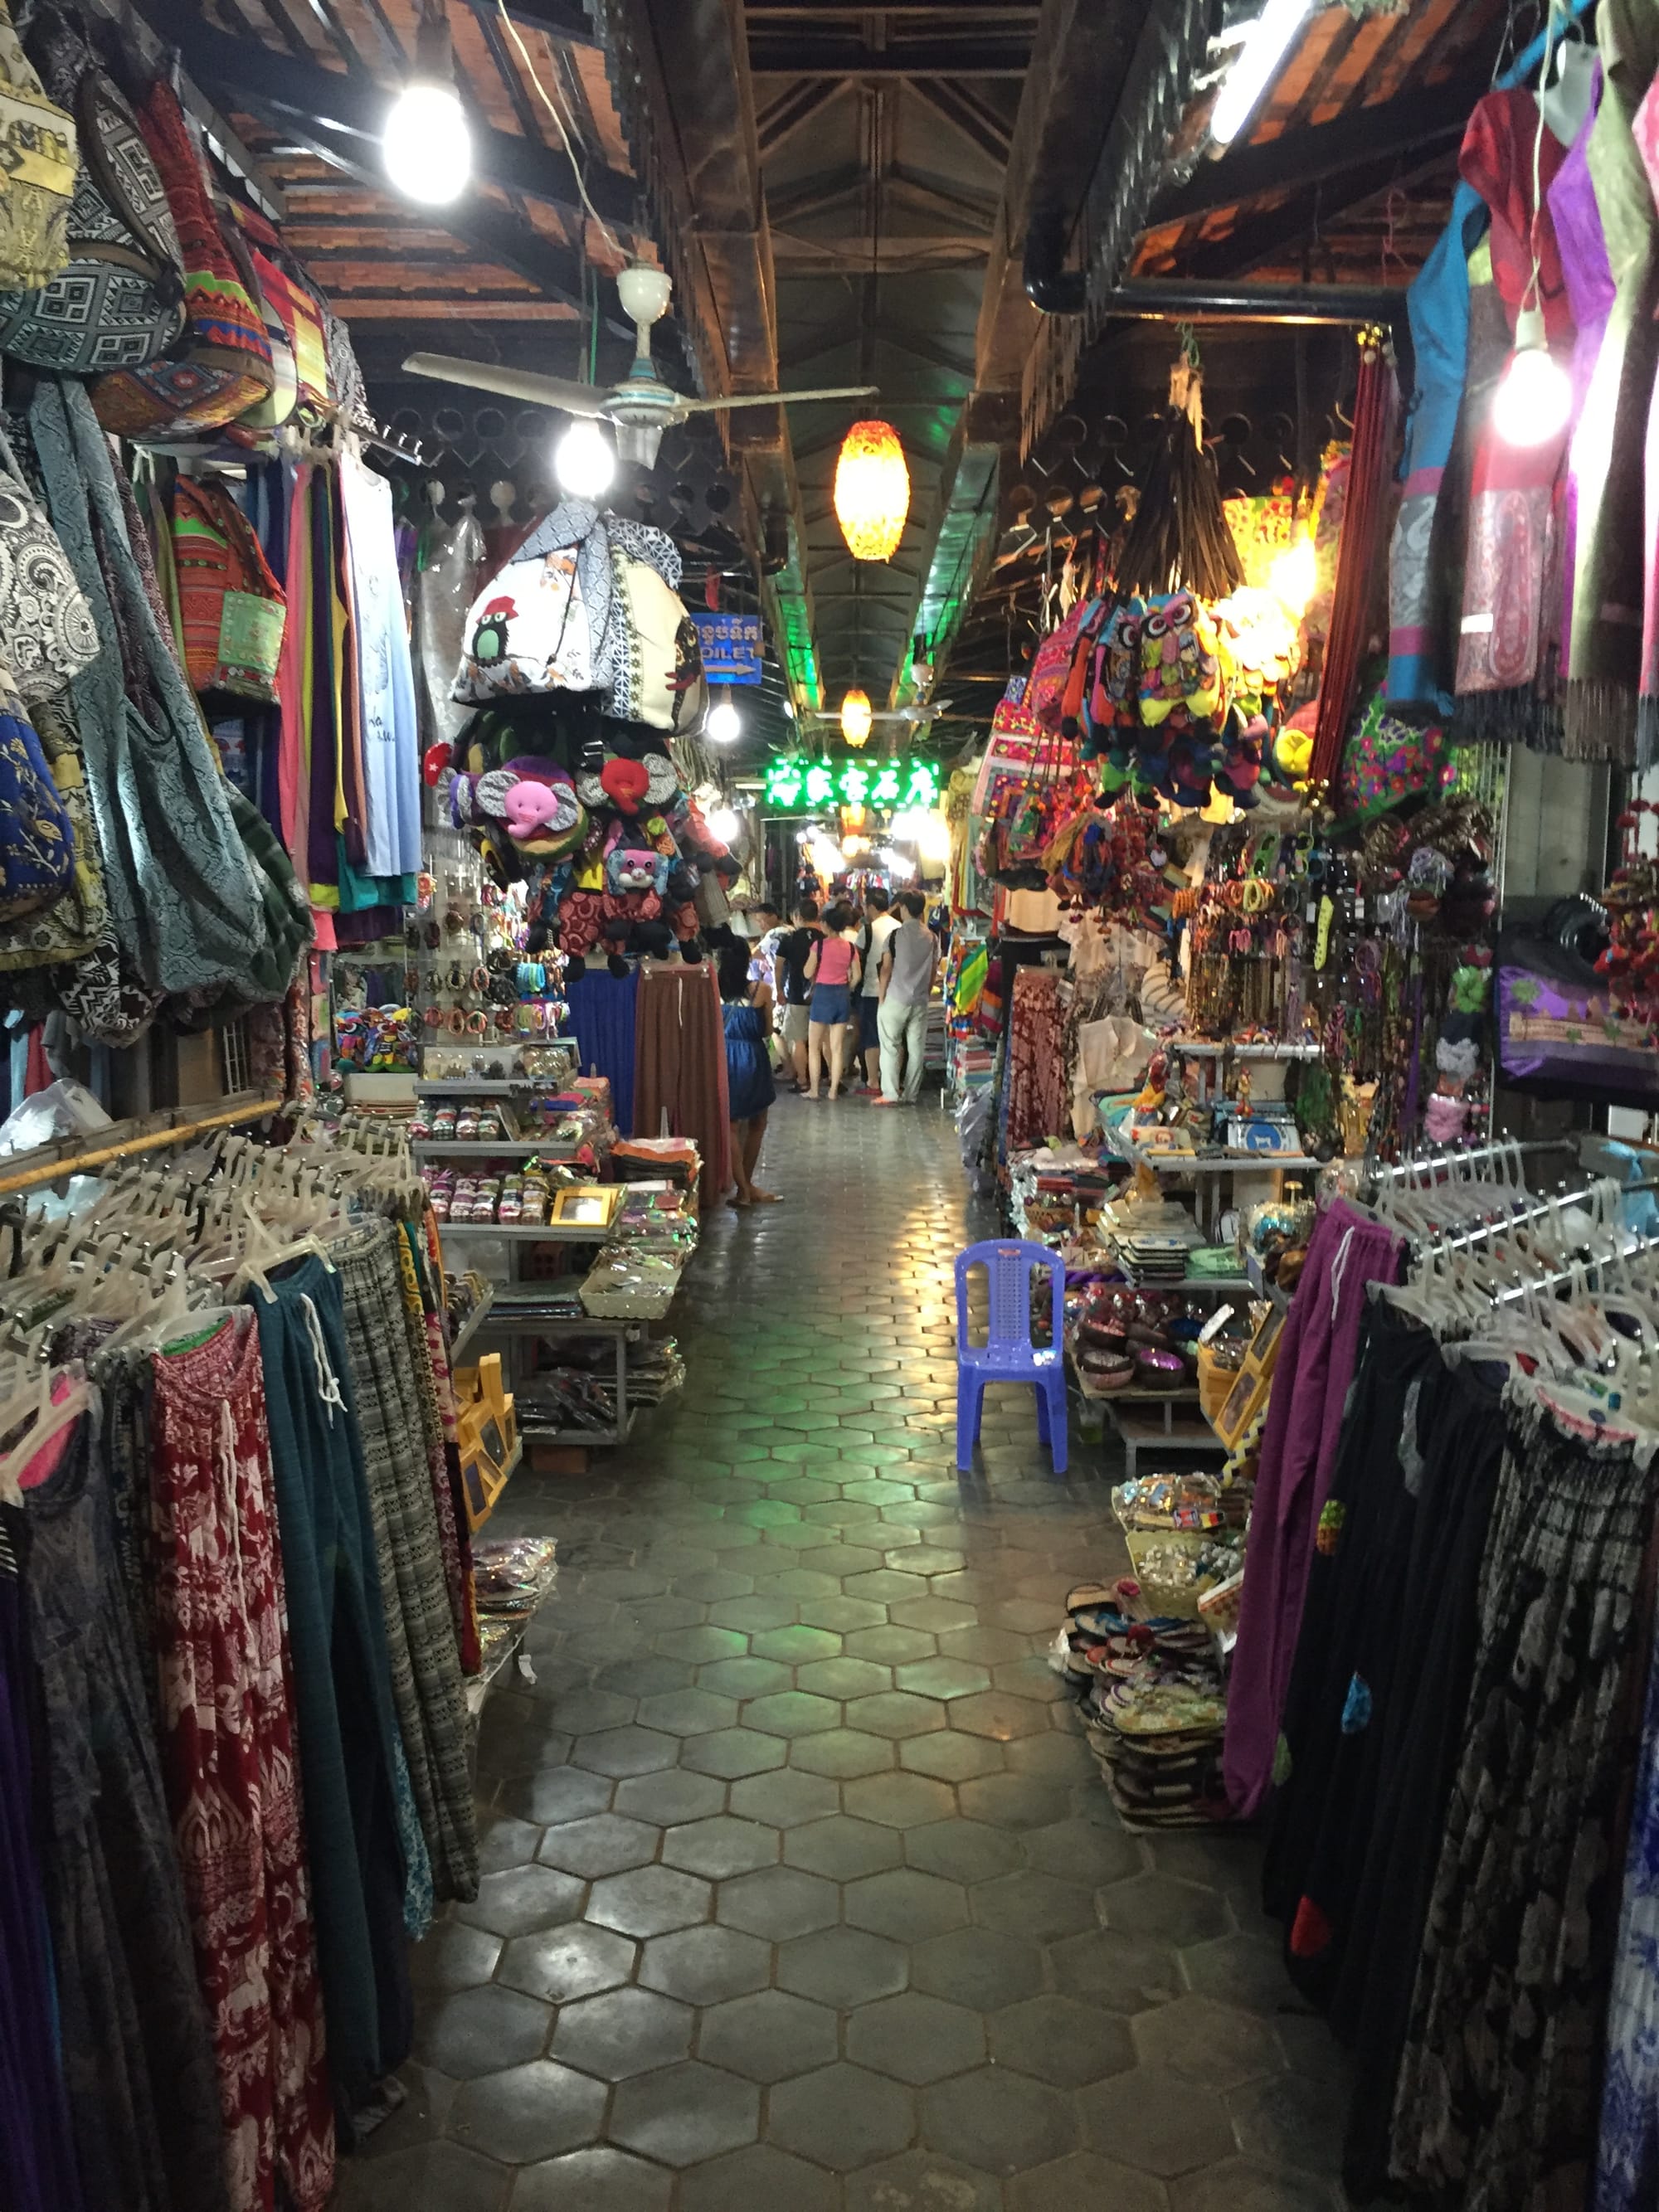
(832, 970)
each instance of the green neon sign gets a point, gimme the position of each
(791, 782)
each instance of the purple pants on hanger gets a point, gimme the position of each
(1317, 1351)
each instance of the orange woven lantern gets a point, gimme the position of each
(872, 491)
(855, 718)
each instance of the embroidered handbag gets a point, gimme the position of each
(224, 366)
(232, 606)
(37, 171)
(119, 300)
(37, 838)
(289, 296)
(526, 632)
(1386, 762)
(46, 630)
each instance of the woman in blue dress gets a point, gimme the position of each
(748, 1011)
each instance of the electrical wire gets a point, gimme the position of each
(605, 229)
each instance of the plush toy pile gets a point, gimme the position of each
(584, 668)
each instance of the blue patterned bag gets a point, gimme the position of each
(37, 839)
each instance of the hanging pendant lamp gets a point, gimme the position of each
(872, 491)
(855, 718)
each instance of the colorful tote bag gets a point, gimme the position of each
(232, 607)
(1386, 762)
(46, 629)
(119, 299)
(224, 366)
(37, 838)
(37, 171)
(526, 632)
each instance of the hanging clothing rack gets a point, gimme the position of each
(1498, 1150)
(252, 1106)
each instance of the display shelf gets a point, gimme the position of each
(1174, 1433)
(480, 1086)
(488, 1148)
(1213, 1048)
(469, 1329)
(541, 1232)
(543, 1432)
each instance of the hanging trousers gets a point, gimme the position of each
(348, 1729)
(680, 1069)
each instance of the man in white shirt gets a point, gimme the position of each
(909, 960)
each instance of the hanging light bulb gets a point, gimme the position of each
(855, 718)
(1534, 398)
(872, 491)
(1266, 45)
(1293, 574)
(722, 723)
(584, 460)
(426, 145)
(723, 823)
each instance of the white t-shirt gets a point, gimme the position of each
(881, 928)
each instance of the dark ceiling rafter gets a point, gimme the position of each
(778, 122)
(784, 57)
(1407, 127)
(565, 21)
(355, 106)
(956, 105)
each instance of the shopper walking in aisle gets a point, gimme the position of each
(766, 932)
(747, 1009)
(790, 986)
(833, 971)
(909, 962)
(879, 924)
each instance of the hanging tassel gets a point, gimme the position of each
(1376, 415)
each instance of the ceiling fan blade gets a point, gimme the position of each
(512, 383)
(778, 398)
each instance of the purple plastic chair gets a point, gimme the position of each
(1008, 1355)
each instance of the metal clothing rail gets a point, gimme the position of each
(250, 1106)
(1494, 1151)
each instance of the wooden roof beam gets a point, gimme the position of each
(967, 115)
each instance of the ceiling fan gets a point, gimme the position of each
(640, 407)
(907, 714)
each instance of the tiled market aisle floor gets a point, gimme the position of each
(804, 1896)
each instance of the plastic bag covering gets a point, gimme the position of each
(63, 1109)
(452, 554)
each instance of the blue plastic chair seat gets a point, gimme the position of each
(1008, 1354)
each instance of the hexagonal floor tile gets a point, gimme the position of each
(455, 1957)
(743, 1678)
(923, 2181)
(758, 2176)
(649, 1901)
(998, 2121)
(962, 1850)
(768, 2036)
(949, 1757)
(896, 1713)
(1082, 2179)
(624, 2031)
(1214, 2042)
(842, 2117)
(593, 2181)
(915, 2039)
(791, 1713)
(1247, 1971)
(720, 1847)
(842, 1967)
(1011, 1801)
(523, 1899)
(906, 1904)
(584, 1712)
(842, 1614)
(685, 2113)
(794, 1644)
(562, 1964)
(978, 1967)
(1286, 2120)
(1128, 1973)
(842, 1753)
(842, 1848)
(670, 1797)
(731, 1753)
(1166, 1908)
(778, 1902)
(606, 1844)
(1083, 1852)
(997, 1713)
(943, 1678)
(527, 2112)
(898, 1800)
(704, 1965)
(1158, 2122)
(621, 1751)
(1058, 2040)
(1037, 1906)
(560, 1793)
(506, 1842)
(844, 1678)
(438, 2177)
(689, 1713)
(700, 1646)
(786, 1798)
(481, 2030)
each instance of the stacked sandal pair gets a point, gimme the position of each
(1154, 1707)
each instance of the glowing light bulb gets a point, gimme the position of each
(1265, 47)
(855, 718)
(722, 722)
(723, 823)
(1534, 398)
(584, 460)
(427, 146)
(1293, 575)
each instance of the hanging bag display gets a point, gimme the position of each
(37, 839)
(46, 629)
(223, 365)
(37, 171)
(232, 606)
(119, 299)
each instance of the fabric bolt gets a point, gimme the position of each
(1599, 713)
(748, 1080)
(1627, 2155)
(1458, 1433)
(1346, 1649)
(386, 683)
(137, 2058)
(902, 1029)
(680, 1079)
(603, 1021)
(424, 1655)
(228, 1758)
(38, 2168)
(1316, 1354)
(1577, 224)
(347, 1725)
(1499, 2086)
(1039, 1105)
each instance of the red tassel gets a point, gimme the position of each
(1376, 408)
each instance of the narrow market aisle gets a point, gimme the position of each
(803, 1891)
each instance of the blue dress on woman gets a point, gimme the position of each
(748, 1069)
